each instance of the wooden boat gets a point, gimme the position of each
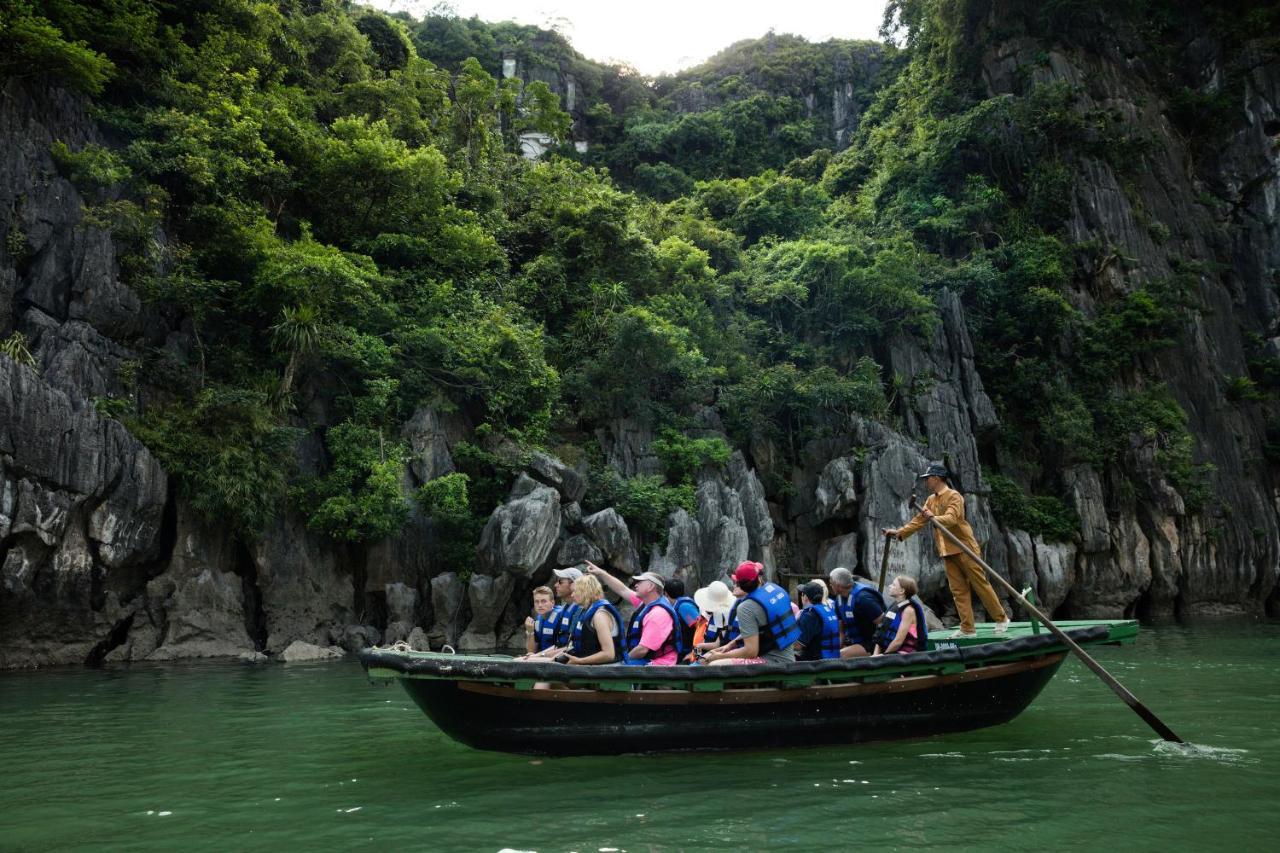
(491, 702)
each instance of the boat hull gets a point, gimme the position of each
(592, 722)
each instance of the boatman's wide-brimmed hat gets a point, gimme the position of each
(935, 469)
(714, 598)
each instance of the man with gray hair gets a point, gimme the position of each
(858, 606)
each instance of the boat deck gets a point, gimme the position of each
(1122, 632)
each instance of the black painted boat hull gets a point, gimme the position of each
(588, 722)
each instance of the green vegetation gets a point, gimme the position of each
(332, 202)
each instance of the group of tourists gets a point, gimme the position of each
(756, 621)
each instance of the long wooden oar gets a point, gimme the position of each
(884, 562)
(1119, 689)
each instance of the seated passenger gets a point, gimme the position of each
(765, 622)
(714, 601)
(858, 606)
(540, 629)
(686, 613)
(904, 629)
(651, 638)
(819, 627)
(597, 635)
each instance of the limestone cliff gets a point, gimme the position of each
(100, 559)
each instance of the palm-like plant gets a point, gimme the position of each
(297, 333)
(15, 346)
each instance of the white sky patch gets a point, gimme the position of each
(664, 36)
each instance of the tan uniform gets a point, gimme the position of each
(964, 576)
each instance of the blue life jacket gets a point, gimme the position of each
(584, 640)
(781, 622)
(544, 630)
(636, 627)
(568, 615)
(731, 631)
(688, 612)
(716, 633)
(829, 639)
(889, 627)
(844, 607)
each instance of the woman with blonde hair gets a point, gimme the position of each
(597, 635)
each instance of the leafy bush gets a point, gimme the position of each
(682, 457)
(1039, 515)
(232, 460)
(644, 500)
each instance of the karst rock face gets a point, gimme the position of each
(103, 558)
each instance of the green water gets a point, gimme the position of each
(291, 757)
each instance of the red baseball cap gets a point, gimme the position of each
(748, 571)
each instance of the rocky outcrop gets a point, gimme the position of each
(447, 598)
(608, 532)
(81, 510)
(197, 605)
(306, 592)
(298, 652)
(487, 597)
(522, 532)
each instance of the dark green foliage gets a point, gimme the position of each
(645, 501)
(330, 203)
(1039, 515)
(359, 498)
(230, 456)
(36, 47)
(682, 457)
(446, 500)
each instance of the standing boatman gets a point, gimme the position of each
(964, 576)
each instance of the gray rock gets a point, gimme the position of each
(608, 531)
(578, 549)
(521, 533)
(487, 597)
(298, 651)
(1055, 571)
(198, 601)
(428, 445)
(446, 601)
(626, 446)
(1085, 490)
(837, 492)
(725, 541)
(305, 595)
(43, 511)
(418, 640)
(571, 516)
(81, 499)
(551, 471)
(755, 509)
(840, 552)
(402, 611)
(356, 638)
(8, 502)
(252, 657)
(1107, 584)
(682, 555)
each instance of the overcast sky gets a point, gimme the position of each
(658, 36)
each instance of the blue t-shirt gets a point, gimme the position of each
(810, 635)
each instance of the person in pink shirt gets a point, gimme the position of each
(651, 637)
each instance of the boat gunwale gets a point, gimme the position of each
(625, 680)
